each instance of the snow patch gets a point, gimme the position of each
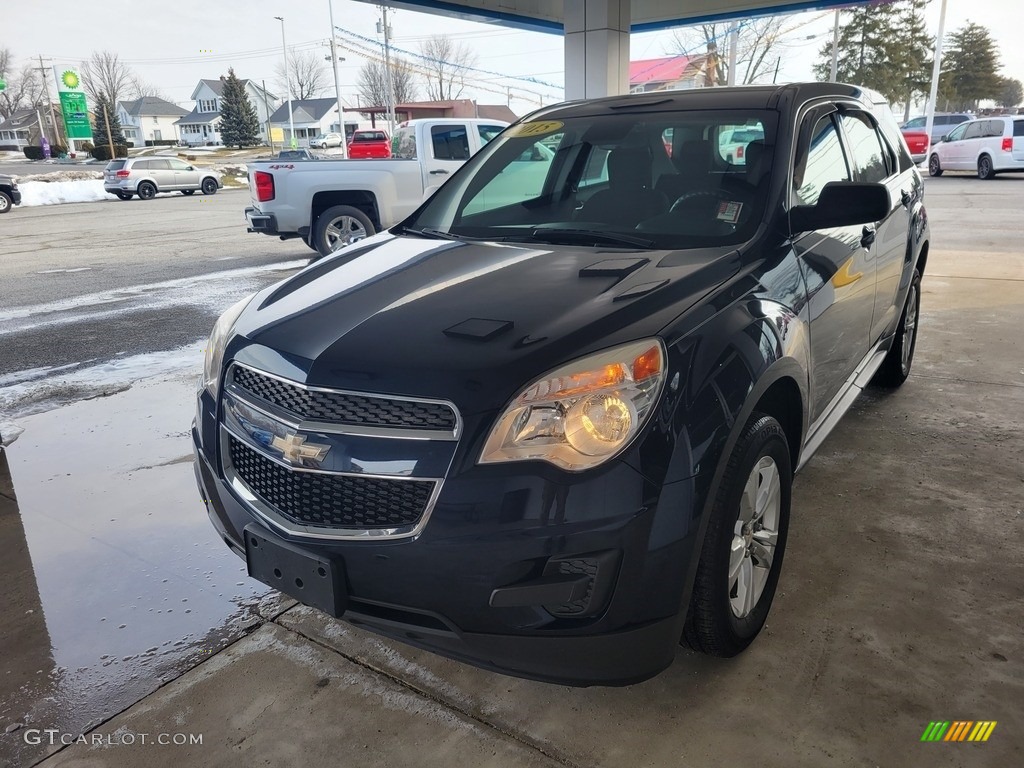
(58, 192)
(41, 389)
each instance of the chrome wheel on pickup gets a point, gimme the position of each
(339, 226)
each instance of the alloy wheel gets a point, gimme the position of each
(755, 535)
(343, 231)
(909, 330)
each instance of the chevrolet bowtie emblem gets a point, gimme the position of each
(294, 449)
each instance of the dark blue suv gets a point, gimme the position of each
(549, 423)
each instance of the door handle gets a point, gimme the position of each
(439, 171)
(905, 197)
(867, 236)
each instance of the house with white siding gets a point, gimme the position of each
(149, 119)
(201, 126)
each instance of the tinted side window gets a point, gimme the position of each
(824, 162)
(450, 142)
(917, 122)
(994, 128)
(488, 132)
(1018, 127)
(140, 165)
(975, 131)
(869, 154)
(957, 133)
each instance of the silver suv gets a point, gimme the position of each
(145, 176)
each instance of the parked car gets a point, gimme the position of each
(325, 140)
(333, 203)
(145, 176)
(942, 123)
(917, 143)
(369, 144)
(297, 154)
(10, 195)
(987, 146)
(552, 436)
(733, 144)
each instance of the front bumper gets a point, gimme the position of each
(494, 532)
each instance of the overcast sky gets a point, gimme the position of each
(167, 43)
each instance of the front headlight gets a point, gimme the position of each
(584, 413)
(215, 346)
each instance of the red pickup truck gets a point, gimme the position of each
(369, 144)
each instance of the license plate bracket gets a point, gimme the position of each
(315, 581)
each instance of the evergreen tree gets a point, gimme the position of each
(105, 112)
(971, 65)
(1011, 92)
(915, 61)
(239, 125)
(870, 51)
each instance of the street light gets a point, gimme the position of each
(337, 87)
(287, 85)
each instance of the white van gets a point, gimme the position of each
(989, 146)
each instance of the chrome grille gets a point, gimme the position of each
(330, 500)
(345, 407)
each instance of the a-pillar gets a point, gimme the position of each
(596, 48)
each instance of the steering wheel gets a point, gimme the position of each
(697, 194)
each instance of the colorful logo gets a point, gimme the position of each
(958, 730)
(70, 78)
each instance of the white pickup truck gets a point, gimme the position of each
(331, 203)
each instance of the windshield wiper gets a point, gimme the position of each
(587, 237)
(430, 232)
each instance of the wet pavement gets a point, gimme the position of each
(900, 601)
(118, 584)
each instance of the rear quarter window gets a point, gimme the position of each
(1018, 127)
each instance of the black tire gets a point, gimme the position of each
(188, 192)
(896, 367)
(6, 203)
(713, 625)
(934, 166)
(985, 169)
(209, 186)
(147, 190)
(123, 195)
(324, 238)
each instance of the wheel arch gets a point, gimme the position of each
(364, 200)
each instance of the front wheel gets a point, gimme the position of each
(896, 367)
(339, 226)
(985, 169)
(209, 186)
(934, 166)
(744, 544)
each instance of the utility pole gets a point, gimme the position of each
(734, 41)
(387, 66)
(49, 104)
(110, 138)
(834, 72)
(288, 86)
(266, 108)
(936, 71)
(337, 86)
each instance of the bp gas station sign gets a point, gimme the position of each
(72, 103)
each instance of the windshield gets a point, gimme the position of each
(642, 180)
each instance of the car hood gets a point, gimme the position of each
(468, 322)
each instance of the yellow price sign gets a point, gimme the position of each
(535, 128)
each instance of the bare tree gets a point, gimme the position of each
(105, 73)
(373, 84)
(141, 88)
(757, 39)
(307, 76)
(24, 86)
(447, 63)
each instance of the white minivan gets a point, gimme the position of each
(988, 146)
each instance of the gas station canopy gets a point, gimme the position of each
(597, 31)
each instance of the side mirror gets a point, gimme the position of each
(191, 168)
(944, 137)
(842, 204)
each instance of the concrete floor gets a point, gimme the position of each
(900, 602)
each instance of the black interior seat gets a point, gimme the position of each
(629, 198)
(693, 170)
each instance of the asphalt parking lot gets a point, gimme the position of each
(899, 604)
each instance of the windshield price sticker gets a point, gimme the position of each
(729, 211)
(535, 128)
